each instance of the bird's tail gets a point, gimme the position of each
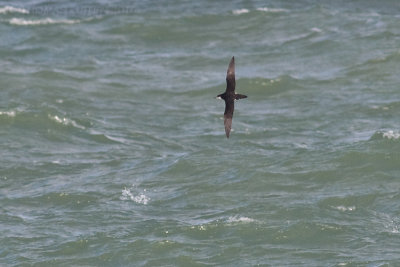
(239, 96)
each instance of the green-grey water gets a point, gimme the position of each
(113, 150)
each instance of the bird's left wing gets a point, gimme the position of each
(228, 115)
(230, 76)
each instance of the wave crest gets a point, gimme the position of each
(24, 22)
(11, 9)
(391, 134)
(66, 122)
(240, 11)
(271, 10)
(240, 219)
(140, 198)
(262, 9)
(10, 113)
(387, 134)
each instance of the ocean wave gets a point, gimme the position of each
(271, 10)
(386, 134)
(104, 138)
(10, 9)
(391, 224)
(262, 9)
(345, 208)
(225, 221)
(139, 198)
(315, 29)
(66, 122)
(24, 22)
(10, 113)
(240, 11)
(240, 219)
(391, 134)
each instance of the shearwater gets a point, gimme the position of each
(230, 96)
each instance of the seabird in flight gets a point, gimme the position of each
(230, 96)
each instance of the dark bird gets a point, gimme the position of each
(230, 96)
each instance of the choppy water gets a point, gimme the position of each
(113, 151)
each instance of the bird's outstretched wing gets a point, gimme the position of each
(239, 96)
(230, 76)
(229, 107)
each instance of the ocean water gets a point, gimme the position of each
(113, 150)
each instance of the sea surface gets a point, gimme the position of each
(113, 150)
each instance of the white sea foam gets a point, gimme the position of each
(10, 113)
(272, 10)
(199, 227)
(315, 29)
(391, 134)
(393, 227)
(11, 9)
(376, 107)
(24, 22)
(240, 11)
(344, 208)
(66, 121)
(390, 223)
(240, 219)
(115, 139)
(302, 145)
(140, 198)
